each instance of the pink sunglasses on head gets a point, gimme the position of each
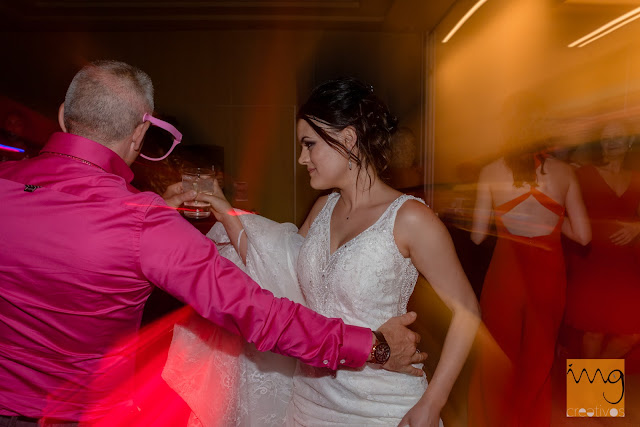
(177, 136)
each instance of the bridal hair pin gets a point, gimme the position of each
(371, 88)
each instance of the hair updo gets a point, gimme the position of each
(345, 102)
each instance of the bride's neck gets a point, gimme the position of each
(361, 195)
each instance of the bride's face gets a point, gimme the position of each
(326, 166)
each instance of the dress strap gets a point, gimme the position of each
(395, 206)
(541, 197)
(507, 206)
(547, 202)
(325, 213)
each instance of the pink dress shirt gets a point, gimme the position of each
(80, 251)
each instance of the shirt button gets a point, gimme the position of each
(342, 361)
(326, 362)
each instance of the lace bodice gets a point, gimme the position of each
(365, 281)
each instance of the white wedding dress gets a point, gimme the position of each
(365, 282)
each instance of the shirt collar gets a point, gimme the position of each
(91, 151)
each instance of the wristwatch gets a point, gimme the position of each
(380, 352)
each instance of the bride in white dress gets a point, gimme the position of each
(357, 256)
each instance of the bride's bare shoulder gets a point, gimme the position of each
(417, 225)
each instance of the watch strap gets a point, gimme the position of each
(379, 337)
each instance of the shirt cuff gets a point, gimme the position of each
(356, 347)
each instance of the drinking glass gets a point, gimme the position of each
(201, 181)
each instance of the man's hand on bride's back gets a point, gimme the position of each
(403, 344)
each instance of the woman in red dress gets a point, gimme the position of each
(604, 278)
(533, 198)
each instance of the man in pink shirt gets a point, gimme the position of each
(81, 250)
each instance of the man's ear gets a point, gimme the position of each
(61, 118)
(138, 136)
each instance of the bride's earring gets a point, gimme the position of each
(350, 165)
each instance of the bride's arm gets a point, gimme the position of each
(228, 217)
(421, 236)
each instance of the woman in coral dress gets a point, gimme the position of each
(533, 198)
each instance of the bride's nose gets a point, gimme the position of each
(303, 159)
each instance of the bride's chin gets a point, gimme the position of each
(317, 186)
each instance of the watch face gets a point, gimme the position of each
(382, 353)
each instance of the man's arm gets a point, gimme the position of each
(180, 260)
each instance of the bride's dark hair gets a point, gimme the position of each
(345, 102)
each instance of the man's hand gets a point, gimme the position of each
(402, 342)
(174, 196)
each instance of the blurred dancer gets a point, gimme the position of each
(533, 198)
(604, 278)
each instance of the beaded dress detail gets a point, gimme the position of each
(365, 282)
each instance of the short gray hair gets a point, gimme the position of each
(106, 100)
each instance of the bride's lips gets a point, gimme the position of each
(311, 170)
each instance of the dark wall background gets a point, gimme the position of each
(236, 89)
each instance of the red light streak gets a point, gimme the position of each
(232, 213)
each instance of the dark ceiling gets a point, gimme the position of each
(113, 15)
